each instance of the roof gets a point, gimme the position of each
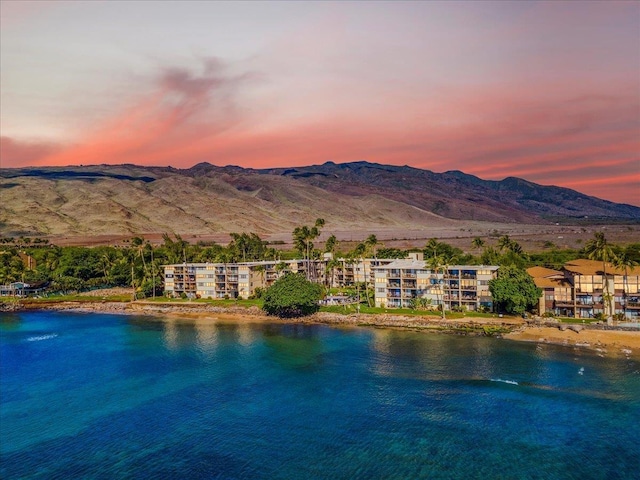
(545, 282)
(583, 266)
(543, 272)
(404, 263)
(424, 265)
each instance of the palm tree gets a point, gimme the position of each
(477, 243)
(437, 263)
(330, 244)
(505, 242)
(303, 240)
(624, 261)
(599, 249)
(331, 267)
(432, 247)
(107, 261)
(371, 242)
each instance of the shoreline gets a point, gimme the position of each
(610, 343)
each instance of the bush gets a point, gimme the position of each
(514, 290)
(292, 296)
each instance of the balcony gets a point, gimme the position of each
(563, 303)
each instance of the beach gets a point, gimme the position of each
(604, 342)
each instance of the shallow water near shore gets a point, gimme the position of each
(112, 396)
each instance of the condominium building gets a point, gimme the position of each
(584, 289)
(232, 280)
(401, 282)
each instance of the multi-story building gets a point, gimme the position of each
(584, 289)
(232, 280)
(557, 291)
(401, 282)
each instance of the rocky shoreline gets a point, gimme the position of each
(599, 338)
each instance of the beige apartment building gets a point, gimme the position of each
(400, 283)
(231, 280)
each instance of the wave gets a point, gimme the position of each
(510, 382)
(39, 338)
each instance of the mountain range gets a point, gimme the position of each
(205, 199)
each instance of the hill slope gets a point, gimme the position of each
(127, 199)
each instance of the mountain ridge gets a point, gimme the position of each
(205, 198)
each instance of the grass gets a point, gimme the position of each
(76, 298)
(219, 302)
(348, 309)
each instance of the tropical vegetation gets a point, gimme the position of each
(292, 295)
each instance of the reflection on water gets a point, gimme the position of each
(171, 335)
(293, 346)
(206, 337)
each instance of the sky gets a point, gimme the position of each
(546, 91)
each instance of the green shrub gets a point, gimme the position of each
(292, 296)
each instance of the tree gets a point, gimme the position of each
(599, 249)
(514, 290)
(330, 244)
(292, 296)
(477, 243)
(438, 263)
(624, 261)
(371, 243)
(505, 242)
(303, 240)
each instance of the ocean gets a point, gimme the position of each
(114, 396)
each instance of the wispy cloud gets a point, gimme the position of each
(182, 107)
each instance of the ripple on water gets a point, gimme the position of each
(112, 397)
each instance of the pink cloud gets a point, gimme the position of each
(563, 134)
(15, 153)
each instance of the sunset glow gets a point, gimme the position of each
(546, 91)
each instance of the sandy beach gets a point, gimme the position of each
(602, 342)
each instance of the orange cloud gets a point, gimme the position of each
(16, 153)
(553, 134)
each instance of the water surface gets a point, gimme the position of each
(108, 396)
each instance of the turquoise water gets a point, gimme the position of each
(106, 396)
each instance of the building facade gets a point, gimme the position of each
(584, 289)
(396, 283)
(232, 280)
(402, 283)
